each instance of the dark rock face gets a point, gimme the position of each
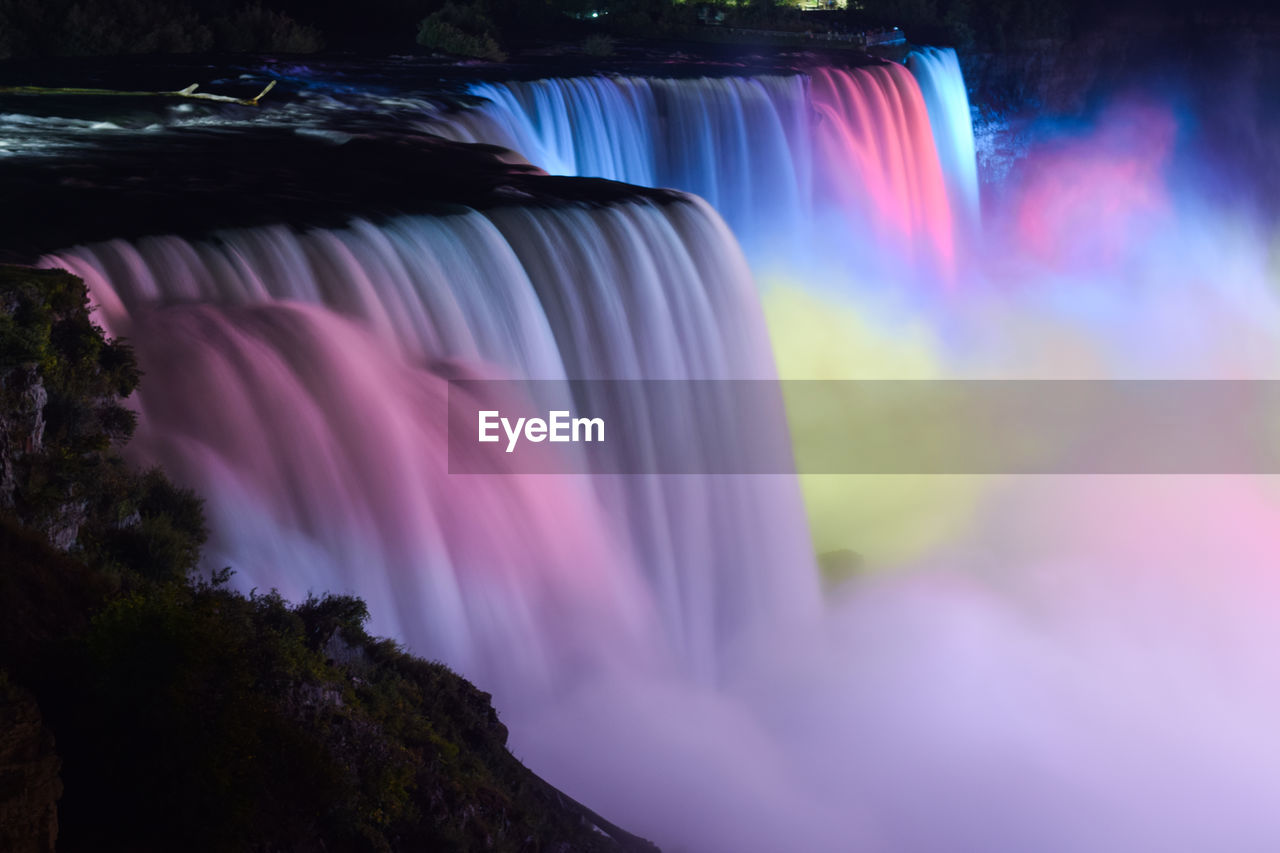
(1218, 79)
(191, 182)
(29, 783)
(1013, 90)
(56, 399)
(21, 423)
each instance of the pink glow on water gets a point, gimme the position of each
(1086, 200)
(877, 145)
(632, 290)
(323, 454)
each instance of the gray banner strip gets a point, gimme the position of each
(865, 427)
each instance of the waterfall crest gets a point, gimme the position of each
(817, 168)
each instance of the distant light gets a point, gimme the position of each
(595, 14)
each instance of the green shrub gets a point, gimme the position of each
(113, 27)
(256, 29)
(464, 30)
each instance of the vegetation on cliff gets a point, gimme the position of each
(188, 715)
(460, 29)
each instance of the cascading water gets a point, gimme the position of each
(685, 134)
(814, 170)
(875, 136)
(322, 456)
(942, 84)
(630, 291)
(1085, 665)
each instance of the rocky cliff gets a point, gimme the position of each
(1217, 76)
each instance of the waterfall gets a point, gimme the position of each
(836, 168)
(742, 144)
(322, 459)
(320, 476)
(876, 140)
(809, 170)
(1084, 663)
(942, 84)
